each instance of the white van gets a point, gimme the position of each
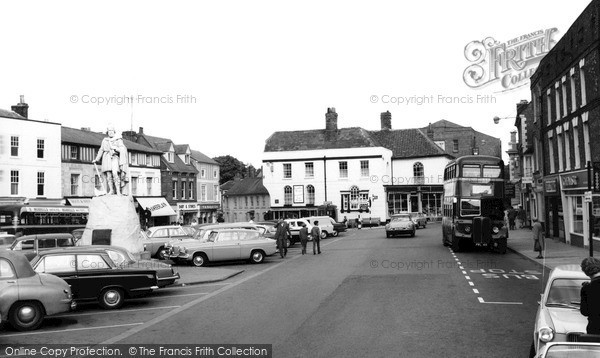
(325, 225)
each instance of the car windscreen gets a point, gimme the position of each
(400, 218)
(565, 291)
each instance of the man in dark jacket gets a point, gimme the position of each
(590, 294)
(316, 236)
(281, 235)
(303, 237)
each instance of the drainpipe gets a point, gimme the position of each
(325, 175)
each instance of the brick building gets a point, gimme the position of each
(566, 98)
(457, 140)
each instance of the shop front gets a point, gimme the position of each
(207, 213)
(187, 213)
(426, 199)
(574, 185)
(554, 209)
(154, 211)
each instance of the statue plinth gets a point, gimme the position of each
(115, 213)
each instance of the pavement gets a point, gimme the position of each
(556, 253)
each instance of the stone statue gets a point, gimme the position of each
(114, 161)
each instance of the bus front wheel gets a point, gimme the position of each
(455, 243)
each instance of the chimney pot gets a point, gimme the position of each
(21, 108)
(141, 130)
(386, 121)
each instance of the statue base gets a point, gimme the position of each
(113, 220)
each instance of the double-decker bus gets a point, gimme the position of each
(32, 219)
(473, 204)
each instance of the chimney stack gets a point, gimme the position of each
(429, 132)
(21, 108)
(513, 140)
(141, 130)
(386, 121)
(331, 119)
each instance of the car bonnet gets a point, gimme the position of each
(567, 320)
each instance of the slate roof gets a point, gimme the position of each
(78, 136)
(181, 148)
(407, 143)
(404, 143)
(354, 137)
(442, 123)
(202, 158)
(163, 145)
(227, 185)
(248, 186)
(10, 114)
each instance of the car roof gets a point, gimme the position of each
(164, 227)
(568, 271)
(78, 249)
(46, 236)
(234, 229)
(22, 266)
(228, 225)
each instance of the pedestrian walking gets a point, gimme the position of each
(359, 220)
(303, 237)
(522, 216)
(281, 235)
(590, 294)
(512, 215)
(316, 236)
(538, 238)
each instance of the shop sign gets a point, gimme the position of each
(574, 180)
(509, 190)
(298, 194)
(187, 206)
(550, 186)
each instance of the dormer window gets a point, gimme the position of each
(187, 159)
(170, 157)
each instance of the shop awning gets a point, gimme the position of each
(79, 201)
(157, 206)
(54, 209)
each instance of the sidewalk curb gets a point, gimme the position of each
(207, 281)
(529, 258)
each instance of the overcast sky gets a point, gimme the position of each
(249, 68)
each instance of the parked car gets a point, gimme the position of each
(338, 227)
(30, 245)
(93, 275)
(571, 350)
(558, 318)
(295, 226)
(202, 232)
(157, 236)
(77, 234)
(419, 219)
(325, 224)
(26, 297)
(400, 224)
(123, 258)
(6, 241)
(225, 245)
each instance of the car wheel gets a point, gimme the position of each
(199, 260)
(532, 351)
(502, 246)
(257, 256)
(289, 242)
(335, 233)
(26, 316)
(162, 253)
(323, 234)
(112, 298)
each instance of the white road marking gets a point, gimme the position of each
(475, 290)
(70, 330)
(114, 311)
(504, 303)
(169, 296)
(480, 300)
(467, 277)
(471, 283)
(464, 272)
(460, 267)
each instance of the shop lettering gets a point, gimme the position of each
(157, 207)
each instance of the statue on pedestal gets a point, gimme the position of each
(114, 162)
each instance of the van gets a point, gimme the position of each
(325, 225)
(30, 245)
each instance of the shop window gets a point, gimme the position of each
(310, 190)
(576, 214)
(287, 195)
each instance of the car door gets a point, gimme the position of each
(248, 241)
(94, 273)
(227, 246)
(9, 285)
(63, 266)
(177, 233)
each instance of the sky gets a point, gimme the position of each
(222, 76)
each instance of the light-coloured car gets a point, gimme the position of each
(400, 224)
(558, 318)
(225, 245)
(202, 232)
(295, 226)
(157, 236)
(31, 245)
(27, 297)
(6, 241)
(420, 220)
(325, 225)
(571, 350)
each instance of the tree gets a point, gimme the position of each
(230, 167)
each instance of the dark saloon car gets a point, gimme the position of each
(30, 245)
(27, 297)
(165, 273)
(94, 276)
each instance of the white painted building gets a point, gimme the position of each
(30, 164)
(351, 171)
